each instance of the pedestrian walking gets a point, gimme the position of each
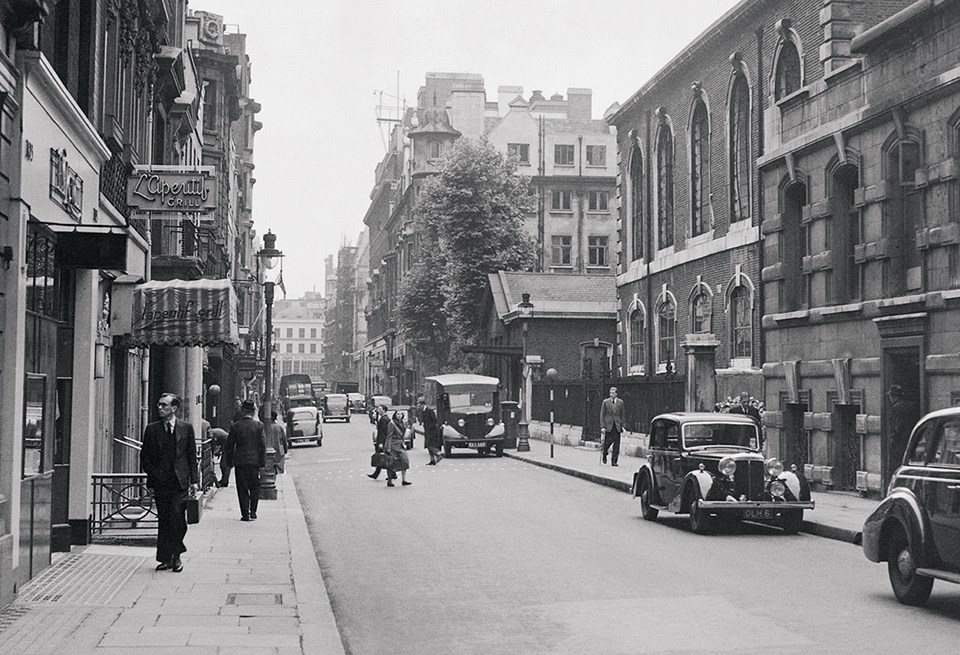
(168, 456)
(432, 438)
(246, 451)
(380, 440)
(219, 436)
(399, 462)
(276, 438)
(611, 425)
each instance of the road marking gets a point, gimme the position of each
(329, 461)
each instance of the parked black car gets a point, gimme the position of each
(916, 528)
(709, 465)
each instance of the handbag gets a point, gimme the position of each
(194, 508)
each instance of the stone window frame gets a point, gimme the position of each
(699, 290)
(664, 200)
(566, 148)
(636, 354)
(596, 149)
(665, 299)
(598, 200)
(847, 279)
(598, 248)
(896, 229)
(739, 163)
(740, 280)
(635, 196)
(434, 149)
(562, 246)
(788, 43)
(793, 229)
(699, 189)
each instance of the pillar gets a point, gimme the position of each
(701, 394)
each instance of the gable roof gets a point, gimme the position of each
(554, 295)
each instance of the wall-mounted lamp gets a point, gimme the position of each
(6, 255)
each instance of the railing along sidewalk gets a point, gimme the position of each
(121, 501)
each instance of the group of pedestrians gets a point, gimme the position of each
(391, 435)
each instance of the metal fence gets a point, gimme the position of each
(121, 501)
(577, 402)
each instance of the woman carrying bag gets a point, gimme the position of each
(399, 462)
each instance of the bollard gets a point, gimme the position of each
(268, 477)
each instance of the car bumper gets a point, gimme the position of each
(473, 443)
(299, 438)
(724, 505)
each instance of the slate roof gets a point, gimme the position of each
(555, 295)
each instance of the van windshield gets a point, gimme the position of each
(471, 403)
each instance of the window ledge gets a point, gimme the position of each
(562, 267)
(599, 212)
(596, 166)
(741, 363)
(792, 317)
(794, 98)
(742, 224)
(597, 267)
(561, 211)
(564, 165)
(837, 310)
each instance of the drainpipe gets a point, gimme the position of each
(762, 344)
(648, 250)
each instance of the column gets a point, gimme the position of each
(701, 394)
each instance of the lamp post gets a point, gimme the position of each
(551, 377)
(269, 256)
(524, 311)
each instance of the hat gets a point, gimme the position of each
(895, 390)
(247, 404)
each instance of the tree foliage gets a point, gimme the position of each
(470, 218)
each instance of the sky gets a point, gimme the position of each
(321, 68)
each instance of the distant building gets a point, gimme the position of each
(298, 326)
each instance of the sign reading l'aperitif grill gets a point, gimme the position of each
(172, 189)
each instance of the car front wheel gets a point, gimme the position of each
(791, 520)
(646, 511)
(700, 520)
(447, 450)
(908, 587)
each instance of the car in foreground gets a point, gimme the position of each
(709, 466)
(358, 403)
(335, 406)
(303, 426)
(916, 527)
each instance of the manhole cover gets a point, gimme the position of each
(80, 580)
(254, 599)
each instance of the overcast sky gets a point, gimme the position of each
(319, 67)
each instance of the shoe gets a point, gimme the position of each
(406, 484)
(162, 566)
(176, 566)
(244, 518)
(253, 515)
(603, 459)
(614, 464)
(372, 476)
(390, 483)
(431, 463)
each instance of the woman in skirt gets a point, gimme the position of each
(399, 462)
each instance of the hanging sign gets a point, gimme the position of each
(172, 190)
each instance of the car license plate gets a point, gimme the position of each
(476, 444)
(757, 514)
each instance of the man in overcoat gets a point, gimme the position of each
(611, 425)
(379, 444)
(432, 438)
(168, 456)
(246, 452)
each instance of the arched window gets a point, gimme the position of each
(664, 185)
(701, 311)
(666, 333)
(788, 71)
(903, 215)
(435, 150)
(740, 132)
(699, 168)
(636, 201)
(792, 246)
(741, 321)
(636, 342)
(846, 234)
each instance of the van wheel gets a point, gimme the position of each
(908, 587)
(791, 521)
(447, 450)
(499, 450)
(646, 511)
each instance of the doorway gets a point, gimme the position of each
(901, 372)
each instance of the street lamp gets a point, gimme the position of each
(524, 311)
(551, 378)
(269, 256)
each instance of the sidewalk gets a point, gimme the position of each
(836, 515)
(245, 588)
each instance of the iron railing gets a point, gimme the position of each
(121, 501)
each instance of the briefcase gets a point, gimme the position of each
(194, 507)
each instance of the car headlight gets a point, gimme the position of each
(727, 466)
(490, 422)
(777, 489)
(461, 423)
(774, 467)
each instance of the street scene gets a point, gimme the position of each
(441, 328)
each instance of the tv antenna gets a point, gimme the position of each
(390, 109)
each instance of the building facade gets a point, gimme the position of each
(298, 327)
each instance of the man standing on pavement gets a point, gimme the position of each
(432, 438)
(246, 452)
(169, 458)
(277, 439)
(611, 424)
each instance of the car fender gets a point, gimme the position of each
(901, 508)
(703, 481)
(647, 470)
(497, 430)
(796, 484)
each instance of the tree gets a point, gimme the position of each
(471, 221)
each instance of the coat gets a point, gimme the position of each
(611, 414)
(432, 438)
(184, 466)
(383, 429)
(277, 439)
(246, 443)
(394, 448)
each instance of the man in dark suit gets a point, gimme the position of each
(611, 425)
(246, 452)
(746, 408)
(383, 428)
(169, 458)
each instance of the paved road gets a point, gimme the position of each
(486, 555)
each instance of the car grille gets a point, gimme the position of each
(476, 426)
(748, 480)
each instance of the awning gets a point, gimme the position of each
(185, 313)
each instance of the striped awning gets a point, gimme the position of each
(185, 313)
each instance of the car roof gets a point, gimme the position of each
(310, 409)
(706, 417)
(940, 413)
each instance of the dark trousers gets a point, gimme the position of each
(612, 438)
(171, 523)
(224, 472)
(248, 488)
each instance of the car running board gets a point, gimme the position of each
(940, 575)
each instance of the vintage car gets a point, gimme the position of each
(709, 465)
(375, 401)
(335, 406)
(916, 528)
(358, 403)
(303, 425)
(468, 410)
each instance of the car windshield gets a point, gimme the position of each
(303, 416)
(720, 434)
(471, 403)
